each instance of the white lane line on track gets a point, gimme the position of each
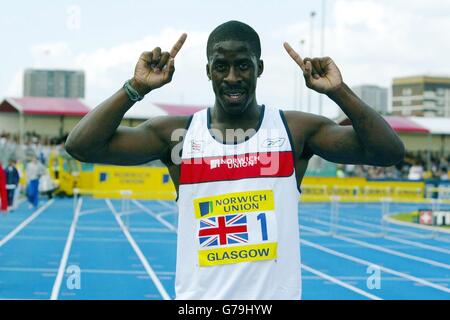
(340, 283)
(160, 219)
(139, 253)
(25, 222)
(93, 239)
(172, 207)
(93, 211)
(65, 256)
(368, 263)
(386, 250)
(417, 226)
(172, 273)
(93, 271)
(129, 213)
(391, 238)
(325, 213)
(165, 213)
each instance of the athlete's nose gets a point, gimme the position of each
(233, 76)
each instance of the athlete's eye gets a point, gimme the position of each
(220, 67)
(244, 66)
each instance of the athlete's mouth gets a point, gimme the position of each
(235, 96)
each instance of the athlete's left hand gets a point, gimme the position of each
(321, 74)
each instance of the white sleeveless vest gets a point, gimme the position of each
(238, 232)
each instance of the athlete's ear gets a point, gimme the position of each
(208, 73)
(260, 67)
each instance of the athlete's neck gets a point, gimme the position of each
(249, 118)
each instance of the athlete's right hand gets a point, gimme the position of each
(155, 68)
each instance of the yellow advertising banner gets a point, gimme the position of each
(132, 182)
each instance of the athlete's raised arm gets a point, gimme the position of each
(98, 136)
(370, 140)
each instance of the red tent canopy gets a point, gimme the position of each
(179, 110)
(45, 106)
(399, 124)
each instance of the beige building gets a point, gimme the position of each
(46, 116)
(53, 83)
(53, 117)
(375, 96)
(421, 96)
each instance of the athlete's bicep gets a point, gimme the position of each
(132, 146)
(336, 143)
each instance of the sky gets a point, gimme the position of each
(371, 42)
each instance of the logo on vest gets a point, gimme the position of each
(239, 162)
(273, 143)
(196, 146)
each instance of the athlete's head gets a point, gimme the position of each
(233, 51)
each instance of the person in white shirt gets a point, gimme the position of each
(34, 171)
(415, 172)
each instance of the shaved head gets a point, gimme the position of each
(234, 30)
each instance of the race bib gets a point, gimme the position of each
(236, 227)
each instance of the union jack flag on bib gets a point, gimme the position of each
(223, 230)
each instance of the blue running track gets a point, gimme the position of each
(102, 249)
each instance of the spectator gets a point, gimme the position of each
(444, 174)
(34, 171)
(46, 185)
(350, 170)
(416, 172)
(12, 182)
(3, 195)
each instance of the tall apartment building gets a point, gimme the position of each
(53, 83)
(421, 96)
(374, 96)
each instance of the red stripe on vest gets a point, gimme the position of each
(235, 167)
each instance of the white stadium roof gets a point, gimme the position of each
(434, 125)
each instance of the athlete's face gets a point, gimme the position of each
(233, 70)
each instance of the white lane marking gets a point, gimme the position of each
(94, 271)
(340, 283)
(160, 219)
(65, 256)
(386, 250)
(368, 263)
(325, 213)
(139, 253)
(24, 223)
(166, 213)
(416, 226)
(129, 212)
(172, 273)
(391, 238)
(167, 205)
(93, 211)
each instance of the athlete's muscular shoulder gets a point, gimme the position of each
(303, 126)
(164, 126)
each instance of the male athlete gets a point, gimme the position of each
(238, 232)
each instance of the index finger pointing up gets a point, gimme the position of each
(294, 55)
(178, 45)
